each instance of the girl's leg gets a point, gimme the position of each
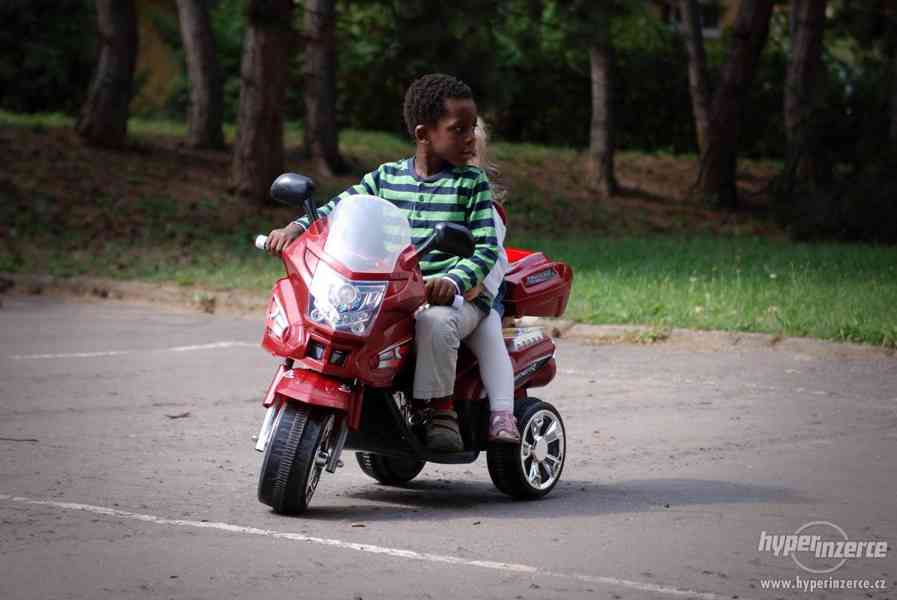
(488, 345)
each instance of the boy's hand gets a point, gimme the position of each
(440, 291)
(473, 292)
(281, 238)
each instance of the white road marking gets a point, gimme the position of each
(69, 355)
(212, 346)
(370, 548)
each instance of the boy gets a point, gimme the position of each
(435, 185)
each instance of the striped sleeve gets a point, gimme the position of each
(469, 272)
(370, 184)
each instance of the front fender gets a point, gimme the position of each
(310, 387)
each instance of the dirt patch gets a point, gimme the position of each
(112, 193)
(171, 297)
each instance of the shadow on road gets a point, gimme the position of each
(420, 499)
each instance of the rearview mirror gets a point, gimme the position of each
(295, 190)
(451, 239)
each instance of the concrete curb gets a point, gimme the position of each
(707, 341)
(247, 304)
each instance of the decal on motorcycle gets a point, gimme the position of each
(531, 368)
(539, 277)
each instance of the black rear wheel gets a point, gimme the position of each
(295, 457)
(531, 469)
(389, 470)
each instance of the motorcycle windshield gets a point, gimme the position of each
(367, 234)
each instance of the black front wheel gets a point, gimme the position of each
(531, 469)
(301, 439)
(389, 470)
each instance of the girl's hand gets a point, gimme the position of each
(281, 238)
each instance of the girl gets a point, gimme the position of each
(487, 342)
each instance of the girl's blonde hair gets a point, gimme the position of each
(481, 135)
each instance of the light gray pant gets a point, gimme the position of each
(438, 332)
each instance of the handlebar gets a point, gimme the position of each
(260, 241)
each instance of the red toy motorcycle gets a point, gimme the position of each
(343, 321)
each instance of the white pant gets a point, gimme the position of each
(488, 344)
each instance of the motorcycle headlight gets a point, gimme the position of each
(347, 306)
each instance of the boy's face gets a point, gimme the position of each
(452, 137)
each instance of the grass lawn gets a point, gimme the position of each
(830, 291)
(161, 212)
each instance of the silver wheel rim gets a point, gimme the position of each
(542, 449)
(322, 453)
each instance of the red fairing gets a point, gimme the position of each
(375, 359)
(319, 390)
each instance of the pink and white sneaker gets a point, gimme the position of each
(503, 427)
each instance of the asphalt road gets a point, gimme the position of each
(127, 470)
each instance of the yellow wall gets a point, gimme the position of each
(156, 64)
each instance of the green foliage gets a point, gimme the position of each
(46, 61)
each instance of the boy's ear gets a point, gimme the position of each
(421, 135)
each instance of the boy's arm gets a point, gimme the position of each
(469, 272)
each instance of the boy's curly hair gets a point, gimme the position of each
(426, 96)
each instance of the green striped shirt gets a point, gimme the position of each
(456, 195)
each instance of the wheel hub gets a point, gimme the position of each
(540, 450)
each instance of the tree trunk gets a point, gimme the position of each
(258, 151)
(104, 117)
(206, 98)
(319, 80)
(697, 69)
(893, 129)
(801, 86)
(716, 180)
(601, 139)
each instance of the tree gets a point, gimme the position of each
(258, 151)
(801, 88)
(892, 130)
(697, 69)
(206, 99)
(104, 117)
(601, 138)
(716, 180)
(589, 24)
(319, 81)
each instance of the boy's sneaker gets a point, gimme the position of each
(503, 427)
(443, 434)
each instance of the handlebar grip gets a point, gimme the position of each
(260, 241)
